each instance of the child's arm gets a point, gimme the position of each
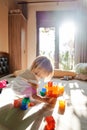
(37, 97)
(42, 99)
(51, 101)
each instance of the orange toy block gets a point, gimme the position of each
(54, 91)
(61, 90)
(31, 104)
(62, 105)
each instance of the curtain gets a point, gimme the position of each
(81, 39)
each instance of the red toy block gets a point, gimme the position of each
(50, 123)
(47, 127)
(50, 84)
(17, 103)
(50, 119)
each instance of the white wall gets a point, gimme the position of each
(31, 34)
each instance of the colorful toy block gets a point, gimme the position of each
(26, 100)
(3, 84)
(50, 123)
(17, 103)
(23, 103)
(31, 104)
(52, 91)
(62, 106)
(43, 92)
(24, 106)
(50, 84)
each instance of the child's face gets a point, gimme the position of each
(40, 74)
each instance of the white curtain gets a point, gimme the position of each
(81, 39)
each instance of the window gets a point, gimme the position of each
(55, 39)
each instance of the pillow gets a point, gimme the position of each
(61, 73)
(81, 68)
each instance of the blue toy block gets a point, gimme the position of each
(44, 90)
(24, 106)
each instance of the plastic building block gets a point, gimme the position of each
(50, 123)
(52, 90)
(61, 90)
(17, 103)
(62, 106)
(26, 100)
(24, 107)
(48, 127)
(43, 92)
(3, 84)
(50, 119)
(50, 84)
(23, 103)
(31, 104)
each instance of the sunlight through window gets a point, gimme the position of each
(47, 42)
(66, 45)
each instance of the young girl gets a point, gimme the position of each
(26, 84)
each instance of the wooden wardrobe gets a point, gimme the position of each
(17, 26)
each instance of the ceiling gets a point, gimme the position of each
(83, 3)
(42, 1)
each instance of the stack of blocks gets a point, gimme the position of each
(54, 91)
(23, 104)
(51, 90)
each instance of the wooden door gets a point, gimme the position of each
(17, 42)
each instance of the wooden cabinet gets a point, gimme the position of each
(17, 42)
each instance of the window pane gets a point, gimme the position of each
(47, 42)
(66, 46)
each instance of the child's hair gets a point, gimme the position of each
(43, 62)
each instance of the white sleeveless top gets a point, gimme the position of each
(22, 84)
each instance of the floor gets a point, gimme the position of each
(73, 118)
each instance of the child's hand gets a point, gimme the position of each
(50, 100)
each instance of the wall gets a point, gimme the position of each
(31, 34)
(5, 5)
(3, 26)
